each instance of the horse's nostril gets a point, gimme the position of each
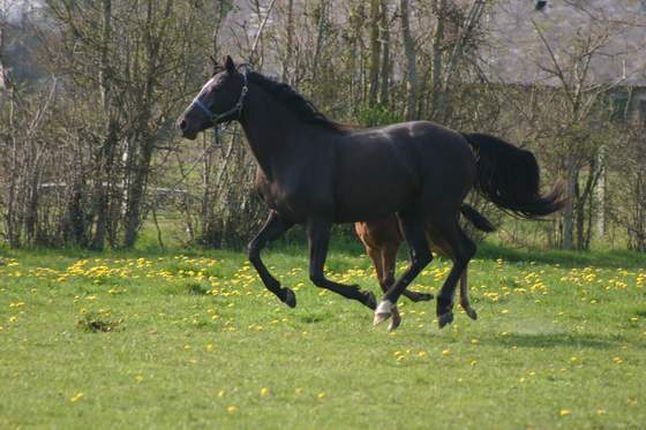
(182, 124)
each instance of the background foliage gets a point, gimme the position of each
(90, 92)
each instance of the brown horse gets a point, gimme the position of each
(315, 172)
(382, 238)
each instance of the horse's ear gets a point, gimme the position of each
(229, 66)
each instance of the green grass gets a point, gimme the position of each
(193, 340)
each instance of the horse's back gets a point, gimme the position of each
(392, 167)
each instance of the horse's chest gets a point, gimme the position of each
(293, 197)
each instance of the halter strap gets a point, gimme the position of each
(237, 108)
(197, 102)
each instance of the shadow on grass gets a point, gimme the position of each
(612, 259)
(522, 340)
(348, 246)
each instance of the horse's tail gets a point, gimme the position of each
(509, 177)
(478, 220)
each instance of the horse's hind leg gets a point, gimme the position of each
(462, 249)
(318, 232)
(273, 228)
(420, 255)
(388, 262)
(464, 286)
(464, 296)
(385, 258)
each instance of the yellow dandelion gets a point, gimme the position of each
(76, 397)
(617, 360)
(601, 411)
(265, 392)
(565, 412)
(232, 409)
(322, 395)
(446, 352)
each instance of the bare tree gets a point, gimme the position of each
(580, 95)
(411, 62)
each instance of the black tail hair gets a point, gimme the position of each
(509, 177)
(478, 220)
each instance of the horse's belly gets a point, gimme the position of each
(374, 180)
(360, 200)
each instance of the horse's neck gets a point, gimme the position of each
(272, 133)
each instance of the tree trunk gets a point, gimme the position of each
(385, 63)
(208, 219)
(580, 219)
(320, 35)
(568, 210)
(105, 157)
(411, 63)
(437, 99)
(375, 53)
(136, 191)
(289, 41)
(600, 195)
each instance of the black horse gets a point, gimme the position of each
(316, 172)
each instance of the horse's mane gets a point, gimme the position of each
(292, 100)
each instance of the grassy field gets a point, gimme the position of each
(193, 340)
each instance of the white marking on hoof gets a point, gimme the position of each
(383, 312)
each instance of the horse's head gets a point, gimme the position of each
(219, 100)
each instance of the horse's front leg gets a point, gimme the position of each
(273, 228)
(318, 233)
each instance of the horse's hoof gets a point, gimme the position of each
(290, 298)
(445, 319)
(370, 300)
(396, 321)
(383, 312)
(425, 297)
(472, 313)
(415, 296)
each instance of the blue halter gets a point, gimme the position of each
(215, 118)
(204, 108)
